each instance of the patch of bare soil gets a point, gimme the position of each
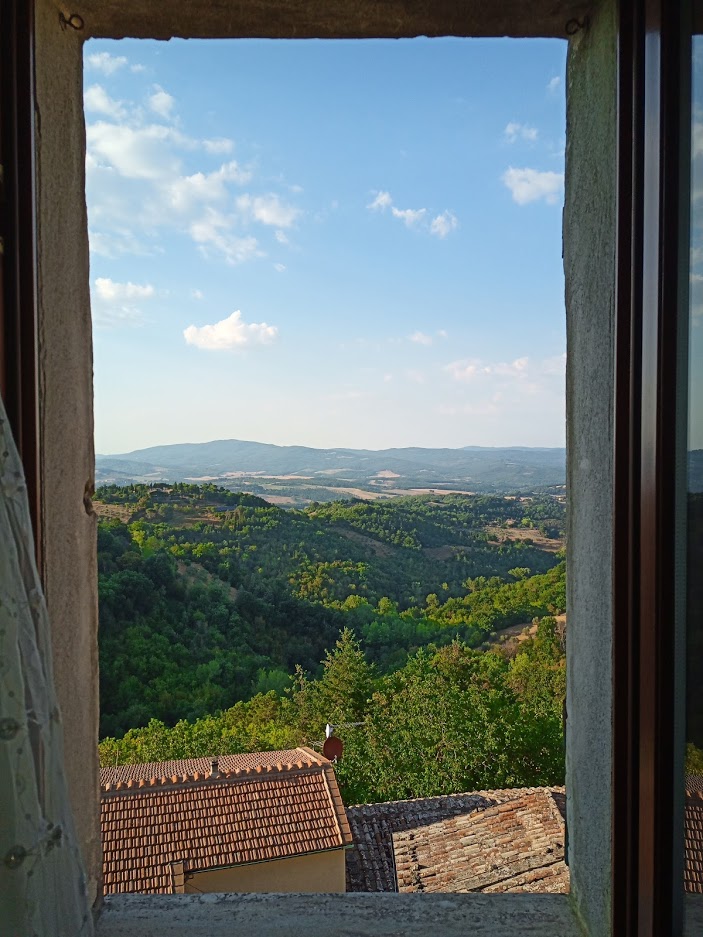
(510, 639)
(358, 493)
(548, 544)
(282, 500)
(376, 546)
(120, 511)
(430, 491)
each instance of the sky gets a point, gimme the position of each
(326, 243)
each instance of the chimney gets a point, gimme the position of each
(214, 768)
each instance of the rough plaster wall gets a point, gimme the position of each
(330, 19)
(352, 915)
(589, 261)
(66, 415)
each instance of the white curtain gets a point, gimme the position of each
(42, 882)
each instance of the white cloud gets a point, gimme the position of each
(137, 69)
(279, 268)
(442, 333)
(146, 152)
(108, 289)
(420, 338)
(96, 100)
(473, 368)
(230, 334)
(515, 131)
(214, 231)
(409, 216)
(382, 201)
(531, 185)
(553, 84)
(161, 102)
(444, 224)
(268, 210)
(187, 192)
(220, 145)
(415, 377)
(440, 226)
(196, 294)
(105, 63)
(139, 190)
(117, 303)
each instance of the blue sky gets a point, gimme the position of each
(327, 243)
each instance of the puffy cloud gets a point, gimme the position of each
(420, 338)
(213, 231)
(382, 201)
(187, 192)
(161, 102)
(553, 84)
(440, 226)
(279, 268)
(515, 131)
(97, 100)
(282, 237)
(147, 152)
(105, 63)
(138, 186)
(268, 210)
(531, 185)
(220, 145)
(116, 303)
(230, 334)
(409, 216)
(444, 224)
(108, 289)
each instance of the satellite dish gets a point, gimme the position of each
(333, 748)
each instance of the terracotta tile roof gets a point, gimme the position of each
(371, 861)
(156, 829)
(515, 846)
(202, 766)
(694, 782)
(693, 841)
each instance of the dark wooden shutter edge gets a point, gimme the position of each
(651, 316)
(18, 312)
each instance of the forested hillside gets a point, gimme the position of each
(211, 600)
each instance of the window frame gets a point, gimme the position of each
(652, 212)
(649, 493)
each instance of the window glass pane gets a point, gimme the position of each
(694, 590)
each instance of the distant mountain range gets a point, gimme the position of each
(233, 462)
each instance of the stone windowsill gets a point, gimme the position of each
(351, 915)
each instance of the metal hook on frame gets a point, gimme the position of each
(575, 25)
(74, 20)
